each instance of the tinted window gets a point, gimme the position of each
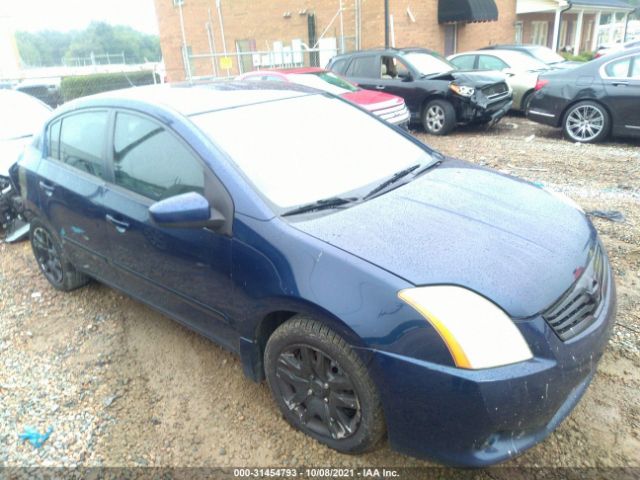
(339, 65)
(465, 62)
(54, 140)
(619, 69)
(82, 140)
(488, 62)
(148, 160)
(366, 67)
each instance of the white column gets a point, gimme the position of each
(578, 37)
(556, 29)
(596, 31)
(612, 28)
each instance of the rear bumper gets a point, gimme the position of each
(478, 418)
(542, 116)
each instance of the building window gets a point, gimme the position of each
(450, 38)
(519, 31)
(539, 33)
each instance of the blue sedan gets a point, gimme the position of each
(380, 288)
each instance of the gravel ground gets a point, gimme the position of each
(121, 385)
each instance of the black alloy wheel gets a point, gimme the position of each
(319, 392)
(47, 255)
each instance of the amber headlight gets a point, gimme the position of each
(477, 333)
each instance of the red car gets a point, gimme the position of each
(386, 106)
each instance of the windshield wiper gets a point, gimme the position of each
(323, 204)
(394, 178)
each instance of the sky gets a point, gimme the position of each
(65, 15)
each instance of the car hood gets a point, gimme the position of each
(372, 100)
(514, 243)
(476, 79)
(9, 152)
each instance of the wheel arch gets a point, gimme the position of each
(252, 349)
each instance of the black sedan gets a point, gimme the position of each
(593, 101)
(436, 93)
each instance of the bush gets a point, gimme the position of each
(83, 85)
(583, 57)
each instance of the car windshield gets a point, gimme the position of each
(325, 81)
(428, 63)
(546, 55)
(20, 114)
(300, 150)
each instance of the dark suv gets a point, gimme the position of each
(435, 91)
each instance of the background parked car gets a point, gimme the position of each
(521, 70)
(605, 50)
(388, 107)
(45, 90)
(437, 94)
(590, 102)
(20, 116)
(540, 53)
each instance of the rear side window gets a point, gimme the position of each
(464, 62)
(619, 69)
(489, 62)
(339, 66)
(82, 141)
(150, 161)
(365, 67)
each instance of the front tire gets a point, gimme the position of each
(52, 262)
(438, 117)
(322, 387)
(586, 122)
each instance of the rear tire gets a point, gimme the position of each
(586, 122)
(53, 264)
(438, 117)
(524, 104)
(322, 387)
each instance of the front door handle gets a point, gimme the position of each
(621, 83)
(121, 226)
(379, 87)
(47, 187)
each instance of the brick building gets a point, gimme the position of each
(263, 33)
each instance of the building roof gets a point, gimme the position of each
(622, 4)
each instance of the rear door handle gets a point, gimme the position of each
(121, 226)
(47, 187)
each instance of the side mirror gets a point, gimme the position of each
(189, 210)
(405, 76)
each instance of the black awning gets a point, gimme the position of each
(467, 11)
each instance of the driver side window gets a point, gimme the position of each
(150, 161)
(392, 68)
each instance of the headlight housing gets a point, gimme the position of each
(477, 332)
(462, 90)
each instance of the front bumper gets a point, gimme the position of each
(478, 418)
(491, 114)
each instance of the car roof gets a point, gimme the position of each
(384, 50)
(193, 98)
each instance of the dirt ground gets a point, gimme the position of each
(122, 385)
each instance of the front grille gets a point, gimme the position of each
(496, 90)
(578, 307)
(396, 114)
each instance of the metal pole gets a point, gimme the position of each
(212, 44)
(386, 23)
(224, 42)
(185, 53)
(341, 29)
